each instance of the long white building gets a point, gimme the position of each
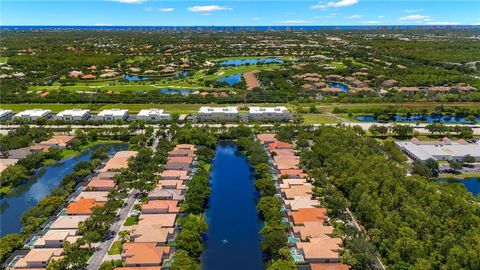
(74, 115)
(153, 115)
(5, 114)
(34, 114)
(112, 115)
(279, 113)
(440, 150)
(218, 113)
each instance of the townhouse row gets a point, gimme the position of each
(310, 239)
(48, 244)
(152, 238)
(279, 113)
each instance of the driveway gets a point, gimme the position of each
(102, 250)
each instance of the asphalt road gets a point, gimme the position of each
(102, 250)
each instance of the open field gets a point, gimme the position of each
(319, 119)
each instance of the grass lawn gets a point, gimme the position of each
(460, 176)
(5, 189)
(338, 65)
(130, 221)
(55, 107)
(207, 166)
(244, 57)
(69, 153)
(116, 248)
(139, 59)
(3, 59)
(319, 119)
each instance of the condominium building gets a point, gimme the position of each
(34, 114)
(218, 113)
(279, 113)
(74, 115)
(153, 115)
(5, 114)
(113, 115)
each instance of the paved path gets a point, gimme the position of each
(102, 250)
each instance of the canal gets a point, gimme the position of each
(22, 198)
(233, 240)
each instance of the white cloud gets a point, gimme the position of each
(129, 1)
(256, 18)
(166, 9)
(103, 24)
(337, 4)
(414, 18)
(443, 23)
(413, 10)
(380, 17)
(209, 8)
(371, 22)
(296, 21)
(353, 17)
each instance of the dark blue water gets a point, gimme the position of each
(184, 92)
(231, 80)
(22, 198)
(340, 86)
(134, 78)
(253, 61)
(420, 118)
(233, 225)
(472, 184)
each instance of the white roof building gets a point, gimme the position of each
(74, 115)
(440, 150)
(153, 115)
(113, 114)
(218, 113)
(34, 114)
(5, 114)
(279, 113)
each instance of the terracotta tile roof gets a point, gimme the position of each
(280, 145)
(171, 184)
(313, 230)
(58, 140)
(284, 163)
(186, 146)
(138, 268)
(267, 137)
(115, 163)
(298, 191)
(174, 174)
(166, 206)
(321, 248)
(292, 173)
(165, 220)
(152, 233)
(308, 214)
(166, 194)
(301, 202)
(82, 207)
(180, 160)
(42, 254)
(100, 183)
(125, 154)
(144, 253)
(283, 153)
(98, 196)
(329, 266)
(67, 222)
(181, 153)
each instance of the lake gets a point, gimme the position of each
(340, 86)
(419, 118)
(135, 78)
(233, 240)
(184, 92)
(472, 184)
(232, 79)
(253, 61)
(22, 198)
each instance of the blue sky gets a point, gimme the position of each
(240, 12)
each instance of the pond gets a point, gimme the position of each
(420, 118)
(233, 240)
(22, 198)
(135, 78)
(253, 61)
(340, 86)
(232, 79)
(471, 184)
(184, 92)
